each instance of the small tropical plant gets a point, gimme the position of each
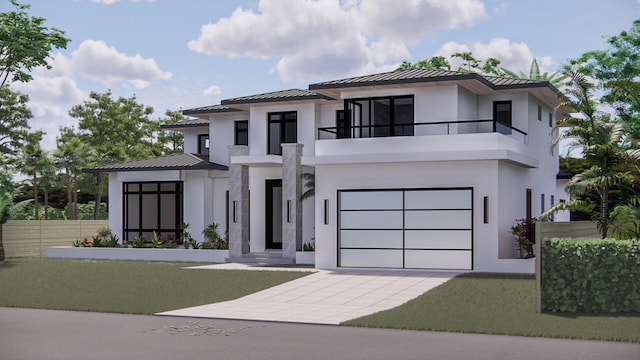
(524, 232)
(214, 239)
(308, 246)
(138, 242)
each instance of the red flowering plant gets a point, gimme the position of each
(524, 232)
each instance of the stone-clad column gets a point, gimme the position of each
(238, 203)
(291, 203)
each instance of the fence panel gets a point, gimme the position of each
(30, 238)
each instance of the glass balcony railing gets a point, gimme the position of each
(421, 129)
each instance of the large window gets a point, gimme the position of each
(241, 132)
(203, 144)
(502, 116)
(282, 129)
(380, 117)
(152, 207)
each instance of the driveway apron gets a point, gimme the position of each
(324, 297)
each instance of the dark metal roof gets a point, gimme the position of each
(184, 161)
(209, 109)
(186, 123)
(282, 95)
(428, 75)
(563, 175)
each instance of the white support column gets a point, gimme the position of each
(291, 203)
(238, 203)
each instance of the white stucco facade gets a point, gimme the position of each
(455, 144)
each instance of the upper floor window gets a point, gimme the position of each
(502, 116)
(343, 130)
(282, 128)
(379, 117)
(241, 132)
(203, 144)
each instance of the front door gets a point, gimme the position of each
(273, 211)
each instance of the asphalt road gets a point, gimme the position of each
(45, 334)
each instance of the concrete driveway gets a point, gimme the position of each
(324, 297)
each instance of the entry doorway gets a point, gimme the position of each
(273, 214)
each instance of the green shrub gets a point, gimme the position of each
(591, 275)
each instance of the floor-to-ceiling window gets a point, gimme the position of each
(152, 207)
(282, 129)
(379, 117)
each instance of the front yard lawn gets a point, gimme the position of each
(498, 304)
(134, 287)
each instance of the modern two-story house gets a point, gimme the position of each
(414, 169)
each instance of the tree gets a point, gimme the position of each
(14, 116)
(171, 142)
(31, 164)
(488, 66)
(72, 154)
(309, 185)
(117, 129)
(617, 68)
(7, 191)
(25, 43)
(556, 79)
(603, 145)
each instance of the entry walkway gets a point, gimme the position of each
(324, 297)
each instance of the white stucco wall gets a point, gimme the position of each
(480, 175)
(191, 138)
(222, 135)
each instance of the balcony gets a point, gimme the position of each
(472, 140)
(422, 129)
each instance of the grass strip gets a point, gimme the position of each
(498, 304)
(131, 287)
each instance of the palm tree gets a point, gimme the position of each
(31, 158)
(309, 185)
(556, 79)
(48, 171)
(72, 155)
(603, 145)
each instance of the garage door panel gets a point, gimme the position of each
(438, 219)
(438, 259)
(412, 228)
(371, 219)
(371, 239)
(430, 199)
(371, 258)
(438, 239)
(371, 200)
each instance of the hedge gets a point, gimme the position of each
(591, 275)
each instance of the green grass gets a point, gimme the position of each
(133, 287)
(498, 304)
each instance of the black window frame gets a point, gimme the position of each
(503, 127)
(282, 136)
(370, 129)
(241, 128)
(203, 144)
(127, 189)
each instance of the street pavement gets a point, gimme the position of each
(48, 334)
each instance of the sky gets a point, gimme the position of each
(180, 54)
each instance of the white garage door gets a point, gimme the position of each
(414, 229)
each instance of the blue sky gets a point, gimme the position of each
(181, 54)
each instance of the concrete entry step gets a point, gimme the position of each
(271, 258)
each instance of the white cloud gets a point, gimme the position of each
(212, 90)
(324, 38)
(98, 61)
(500, 9)
(50, 99)
(515, 56)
